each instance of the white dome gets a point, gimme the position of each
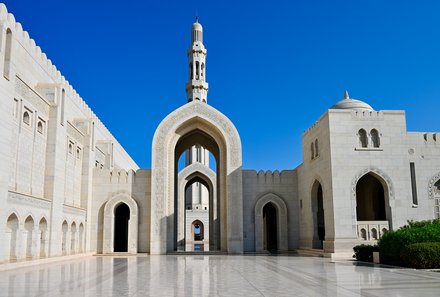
(197, 26)
(348, 103)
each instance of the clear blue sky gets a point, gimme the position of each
(273, 67)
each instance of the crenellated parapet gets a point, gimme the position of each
(54, 82)
(269, 176)
(115, 176)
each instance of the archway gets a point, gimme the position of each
(64, 228)
(197, 173)
(29, 226)
(42, 226)
(12, 225)
(81, 234)
(196, 123)
(318, 216)
(270, 227)
(373, 211)
(197, 231)
(122, 217)
(120, 226)
(370, 199)
(73, 238)
(271, 223)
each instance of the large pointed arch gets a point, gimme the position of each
(109, 222)
(205, 175)
(196, 121)
(280, 205)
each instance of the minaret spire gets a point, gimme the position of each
(197, 87)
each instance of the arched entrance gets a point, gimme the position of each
(73, 238)
(271, 223)
(122, 217)
(12, 225)
(270, 227)
(194, 124)
(64, 228)
(197, 173)
(318, 216)
(42, 226)
(120, 226)
(29, 227)
(197, 231)
(373, 212)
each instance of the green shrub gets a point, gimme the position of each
(393, 243)
(364, 252)
(424, 255)
(419, 224)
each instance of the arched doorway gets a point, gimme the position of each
(271, 223)
(120, 225)
(373, 211)
(122, 217)
(318, 216)
(12, 225)
(42, 226)
(73, 238)
(29, 227)
(197, 230)
(188, 213)
(64, 228)
(270, 227)
(370, 199)
(196, 123)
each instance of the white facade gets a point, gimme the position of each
(67, 186)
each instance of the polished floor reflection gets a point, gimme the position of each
(198, 275)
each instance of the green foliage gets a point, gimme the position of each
(424, 255)
(393, 243)
(419, 224)
(364, 252)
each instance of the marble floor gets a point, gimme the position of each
(215, 275)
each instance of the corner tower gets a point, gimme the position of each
(197, 87)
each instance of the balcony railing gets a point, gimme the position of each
(371, 230)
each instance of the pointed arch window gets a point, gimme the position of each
(363, 140)
(26, 118)
(375, 139)
(312, 151)
(197, 71)
(8, 51)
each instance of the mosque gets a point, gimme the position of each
(68, 187)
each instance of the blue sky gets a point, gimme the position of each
(273, 67)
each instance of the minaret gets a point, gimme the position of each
(197, 87)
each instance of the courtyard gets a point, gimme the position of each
(215, 275)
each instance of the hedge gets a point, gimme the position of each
(393, 243)
(424, 255)
(364, 252)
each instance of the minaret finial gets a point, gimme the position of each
(346, 95)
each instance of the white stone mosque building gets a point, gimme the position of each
(68, 187)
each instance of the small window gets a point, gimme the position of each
(40, 127)
(70, 147)
(15, 108)
(375, 138)
(312, 150)
(316, 148)
(363, 140)
(26, 118)
(78, 153)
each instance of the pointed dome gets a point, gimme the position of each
(197, 26)
(348, 103)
